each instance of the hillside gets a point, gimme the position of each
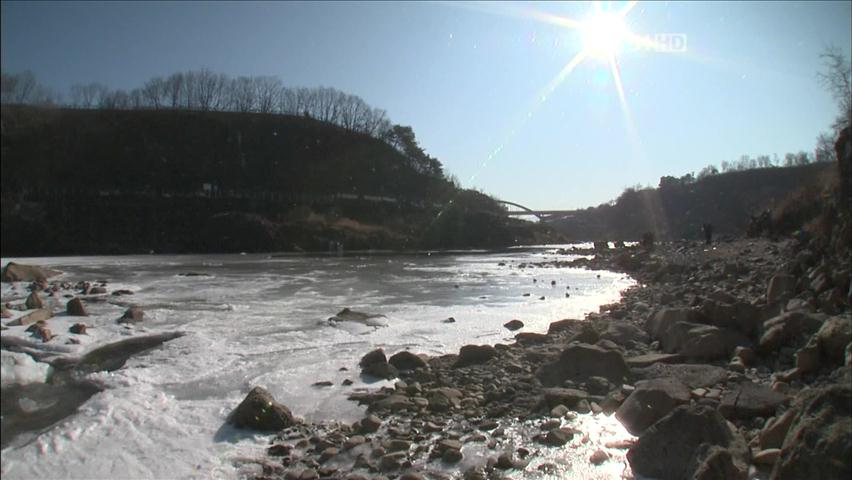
(128, 181)
(677, 209)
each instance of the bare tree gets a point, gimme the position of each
(174, 90)
(266, 93)
(209, 89)
(88, 95)
(18, 88)
(154, 92)
(137, 99)
(824, 151)
(837, 79)
(242, 94)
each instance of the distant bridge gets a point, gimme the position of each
(543, 215)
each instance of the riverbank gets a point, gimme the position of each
(719, 364)
(257, 319)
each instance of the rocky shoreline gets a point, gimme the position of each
(727, 361)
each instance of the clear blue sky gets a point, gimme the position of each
(469, 77)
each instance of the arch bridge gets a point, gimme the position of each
(542, 215)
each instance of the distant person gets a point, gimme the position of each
(708, 233)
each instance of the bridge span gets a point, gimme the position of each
(543, 215)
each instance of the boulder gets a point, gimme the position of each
(624, 334)
(393, 403)
(569, 325)
(40, 331)
(773, 434)
(444, 399)
(659, 322)
(75, 308)
(781, 287)
(39, 315)
(369, 424)
(375, 364)
(579, 361)
(693, 376)
(767, 457)
(559, 436)
(78, 329)
(406, 360)
(833, 336)
(751, 400)
(788, 327)
(16, 272)
(587, 334)
(649, 359)
(672, 447)
(513, 325)
(474, 354)
(712, 462)
(260, 411)
(569, 397)
(740, 316)
(699, 341)
(529, 338)
(132, 315)
(33, 301)
(651, 401)
(819, 442)
(808, 357)
(347, 315)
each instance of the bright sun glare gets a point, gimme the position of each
(603, 34)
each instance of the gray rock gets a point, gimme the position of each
(375, 364)
(407, 361)
(785, 328)
(781, 287)
(75, 308)
(767, 457)
(474, 354)
(78, 329)
(17, 272)
(712, 462)
(513, 325)
(773, 434)
(694, 376)
(667, 450)
(833, 336)
(651, 401)
(558, 437)
(260, 411)
(751, 400)
(393, 403)
(568, 325)
(33, 301)
(132, 315)
(580, 361)
(704, 342)
(563, 396)
(370, 424)
(39, 315)
(740, 316)
(641, 361)
(659, 322)
(819, 442)
(624, 333)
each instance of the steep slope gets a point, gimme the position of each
(119, 181)
(678, 209)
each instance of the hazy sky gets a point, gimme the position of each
(469, 78)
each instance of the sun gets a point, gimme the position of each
(603, 34)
